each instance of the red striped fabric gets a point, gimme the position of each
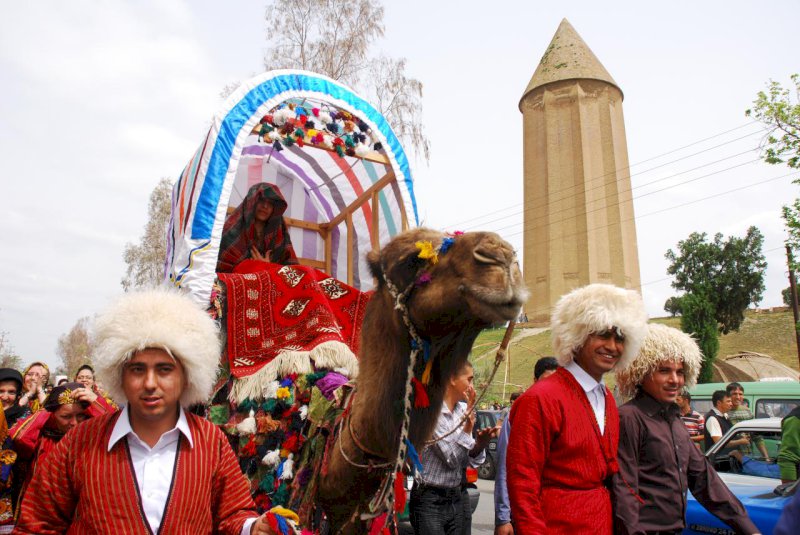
(84, 489)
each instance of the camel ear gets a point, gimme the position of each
(374, 262)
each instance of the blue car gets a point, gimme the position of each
(751, 476)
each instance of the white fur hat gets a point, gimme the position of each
(158, 318)
(662, 344)
(595, 308)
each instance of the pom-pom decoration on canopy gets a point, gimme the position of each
(342, 170)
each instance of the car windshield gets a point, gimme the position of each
(486, 419)
(749, 452)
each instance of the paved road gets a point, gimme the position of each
(483, 517)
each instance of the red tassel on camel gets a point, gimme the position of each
(399, 492)
(421, 400)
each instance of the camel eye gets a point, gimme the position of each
(487, 257)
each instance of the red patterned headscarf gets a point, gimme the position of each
(239, 232)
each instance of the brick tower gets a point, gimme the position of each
(579, 226)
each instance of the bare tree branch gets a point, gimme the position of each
(336, 38)
(145, 260)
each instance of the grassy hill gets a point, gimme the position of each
(763, 332)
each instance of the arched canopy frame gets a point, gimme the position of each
(201, 195)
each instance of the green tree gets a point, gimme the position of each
(145, 260)
(698, 319)
(673, 305)
(720, 278)
(776, 109)
(729, 273)
(779, 111)
(786, 294)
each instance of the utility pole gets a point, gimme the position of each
(793, 291)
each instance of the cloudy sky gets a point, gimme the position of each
(100, 99)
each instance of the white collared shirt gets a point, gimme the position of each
(154, 466)
(595, 392)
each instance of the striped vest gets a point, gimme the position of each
(85, 489)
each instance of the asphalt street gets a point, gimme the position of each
(483, 517)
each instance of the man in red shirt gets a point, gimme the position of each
(563, 445)
(152, 467)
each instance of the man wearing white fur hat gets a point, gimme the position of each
(152, 467)
(563, 445)
(658, 461)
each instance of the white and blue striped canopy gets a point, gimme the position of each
(317, 184)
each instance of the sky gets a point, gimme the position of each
(101, 99)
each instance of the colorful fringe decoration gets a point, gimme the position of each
(421, 400)
(426, 374)
(414, 456)
(446, 244)
(282, 520)
(399, 492)
(427, 252)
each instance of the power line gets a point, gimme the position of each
(621, 201)
(561, 238)
(635, 164)
(612, 195)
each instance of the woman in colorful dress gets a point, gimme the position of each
(255, 231)
(35, 379)
(85, 376)
(36, 436)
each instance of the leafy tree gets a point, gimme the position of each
(145, 260)
(786, 294)
(781, 116)
(720, 278)
(673, 306)
(698, 319)
(336, 38)
(76, 347)
(780, 113)
(728, 273)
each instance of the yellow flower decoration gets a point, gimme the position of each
(8, 457)
(65, 397)
(427, 252)
(288, 514)
(283, 393)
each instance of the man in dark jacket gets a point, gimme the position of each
(658, 462)
(717, 422)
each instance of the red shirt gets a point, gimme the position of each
(558, 461)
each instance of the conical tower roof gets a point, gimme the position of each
(568, 58)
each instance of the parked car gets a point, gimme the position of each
(765, 398)
(757, 493)
(404, 520)
(488, 418)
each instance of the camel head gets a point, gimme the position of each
(476, 280)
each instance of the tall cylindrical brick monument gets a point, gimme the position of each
(579, 222)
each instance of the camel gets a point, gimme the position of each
(475, 284)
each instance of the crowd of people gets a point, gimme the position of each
(36, 416)
(569, 461)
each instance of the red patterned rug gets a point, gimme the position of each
(285, 310)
